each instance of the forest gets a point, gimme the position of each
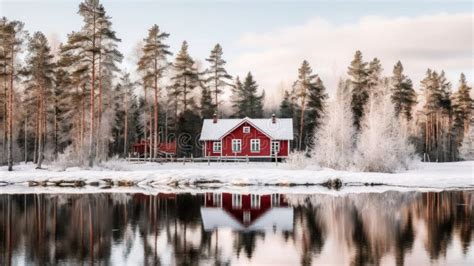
(77, 105)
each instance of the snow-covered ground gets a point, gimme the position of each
(152, 177)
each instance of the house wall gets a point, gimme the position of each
(237, 133)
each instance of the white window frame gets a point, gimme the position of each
(255, 201)
(247, 217)
(217, 199)
(217, 146)
(275, 200)
(236, 201)
(276, 144)
(255, 142)
(236, 143)
(246, 129)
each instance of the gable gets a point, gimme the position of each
(281, 130)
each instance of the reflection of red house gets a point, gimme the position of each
(246, 211)
(247, 137)
(168, 148)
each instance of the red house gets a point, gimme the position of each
(247, 137)
(246, 212)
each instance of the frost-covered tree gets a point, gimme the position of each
(358, 74)
(466, 151)
(333, 144)
(382, 146)
(217, 76)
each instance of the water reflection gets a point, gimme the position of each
(225, 228)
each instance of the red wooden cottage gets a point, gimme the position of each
(247, 212)
(247, 137)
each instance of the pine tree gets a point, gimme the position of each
(206, 106)
(185, 77)
(286, 106)
(316, 106)
(403, 94)
(254, 102)
(462, 109)
(238, 99)
(125, 107)
(437, 128)
(217, 76)
(358, 73)
(152, 64)
(302, 87)
(12, 37)
(40, 84)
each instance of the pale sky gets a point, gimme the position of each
(271, 38)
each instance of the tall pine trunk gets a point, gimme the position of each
(125, 131)
(92, 100)
(10, 114)
(155, 128)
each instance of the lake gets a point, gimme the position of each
(412, 228)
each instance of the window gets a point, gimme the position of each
(275, 200)
(236, 145)
(275, 147)
(217, 146)
(246, 130)
(217, 199)
(254, 145)
(236, 201)
(246, 217)
(254, 201)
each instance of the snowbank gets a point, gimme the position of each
(154, 177)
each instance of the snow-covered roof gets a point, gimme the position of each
(280, 218)
(282, 129)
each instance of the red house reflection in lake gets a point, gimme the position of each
(246, 212)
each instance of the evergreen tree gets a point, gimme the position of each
(12, 37)
(254, 102)
(39, 87)
(437, 126)
(206, 106)
(358, 73)
(317, 97)
(462, 109)
(217, 76)
(302, 87)
(185, 78)
(124, 133)
(152, 64)
(238, 99)
(403, 94)
(286, 106)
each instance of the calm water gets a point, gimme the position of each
(390, 228)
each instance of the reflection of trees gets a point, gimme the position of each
(246, 241)
(83, 229)
(443, 214)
